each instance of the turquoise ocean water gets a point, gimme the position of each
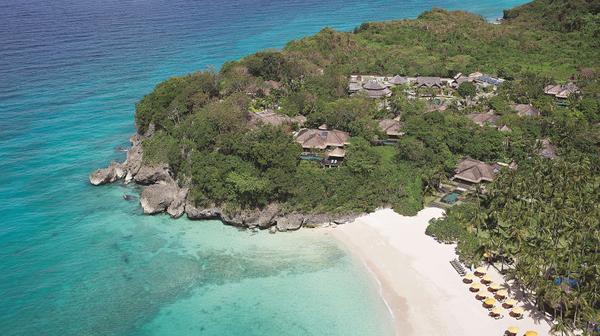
(78, 260)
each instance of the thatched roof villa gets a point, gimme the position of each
(311, 139)
(526, 110)
(474, 171)
(482, 119)
(429, 82)
(561, 91)
(376, 89)
(398, 80)
(391, 127)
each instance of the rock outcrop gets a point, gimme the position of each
(158, 197)
(126, 170)
(194, 212)
(134, 158)
(290, 222)
(107, 175)
(177, 208)
(151, 174)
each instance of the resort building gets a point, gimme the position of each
(373, 86)
(459, 79)
(270, 117)
(561, 91)
(487, 80)
(392, 128)
(311, 139)
(526, 110)
(470, 172)
(483, 119)
(429, 82)
(329, 142)
(376, 89)
(398, 80)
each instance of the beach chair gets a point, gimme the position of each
(458, 267)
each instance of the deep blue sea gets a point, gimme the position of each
(79, 260)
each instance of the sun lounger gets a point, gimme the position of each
(458, 267)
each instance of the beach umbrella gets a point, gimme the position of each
(475, 287)
(489, 301)
(480, 270)
(512, 330)
(486, 279)
(518, 311)
(469, 278)
(496, 311)
(531, 333)
(502, 293)
(480, 296)
(510, 303)
(494, 287)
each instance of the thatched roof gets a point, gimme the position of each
(483, 119)
(474, 171)
(391, 127)
(374, 85)
(337, 152)
(398, 80)
(561, 91)
(526, 110)
(321, 139)
(429, 81)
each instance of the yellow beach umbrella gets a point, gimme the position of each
(490, 301)
(496, 311)
(531, 333)
(480, 270)
(512, 330)
(486, 278)
(502, 293)
(518, 310)
(475, 287)
(469, 278)
(510, 302)
(494, 287)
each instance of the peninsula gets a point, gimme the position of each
(496, 123)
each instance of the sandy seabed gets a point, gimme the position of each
(423, 292)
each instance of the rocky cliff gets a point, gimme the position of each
(163, 193)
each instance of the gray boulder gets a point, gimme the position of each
(290, 222)
(133, 163)
(317, 221)
(151, 174)
(107, 175)
(194, 212)
(266, 218)
(158, 197)
(177, 207)
(243, 218)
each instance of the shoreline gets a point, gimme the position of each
(423, 293)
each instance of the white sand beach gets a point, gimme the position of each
(424, 293)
